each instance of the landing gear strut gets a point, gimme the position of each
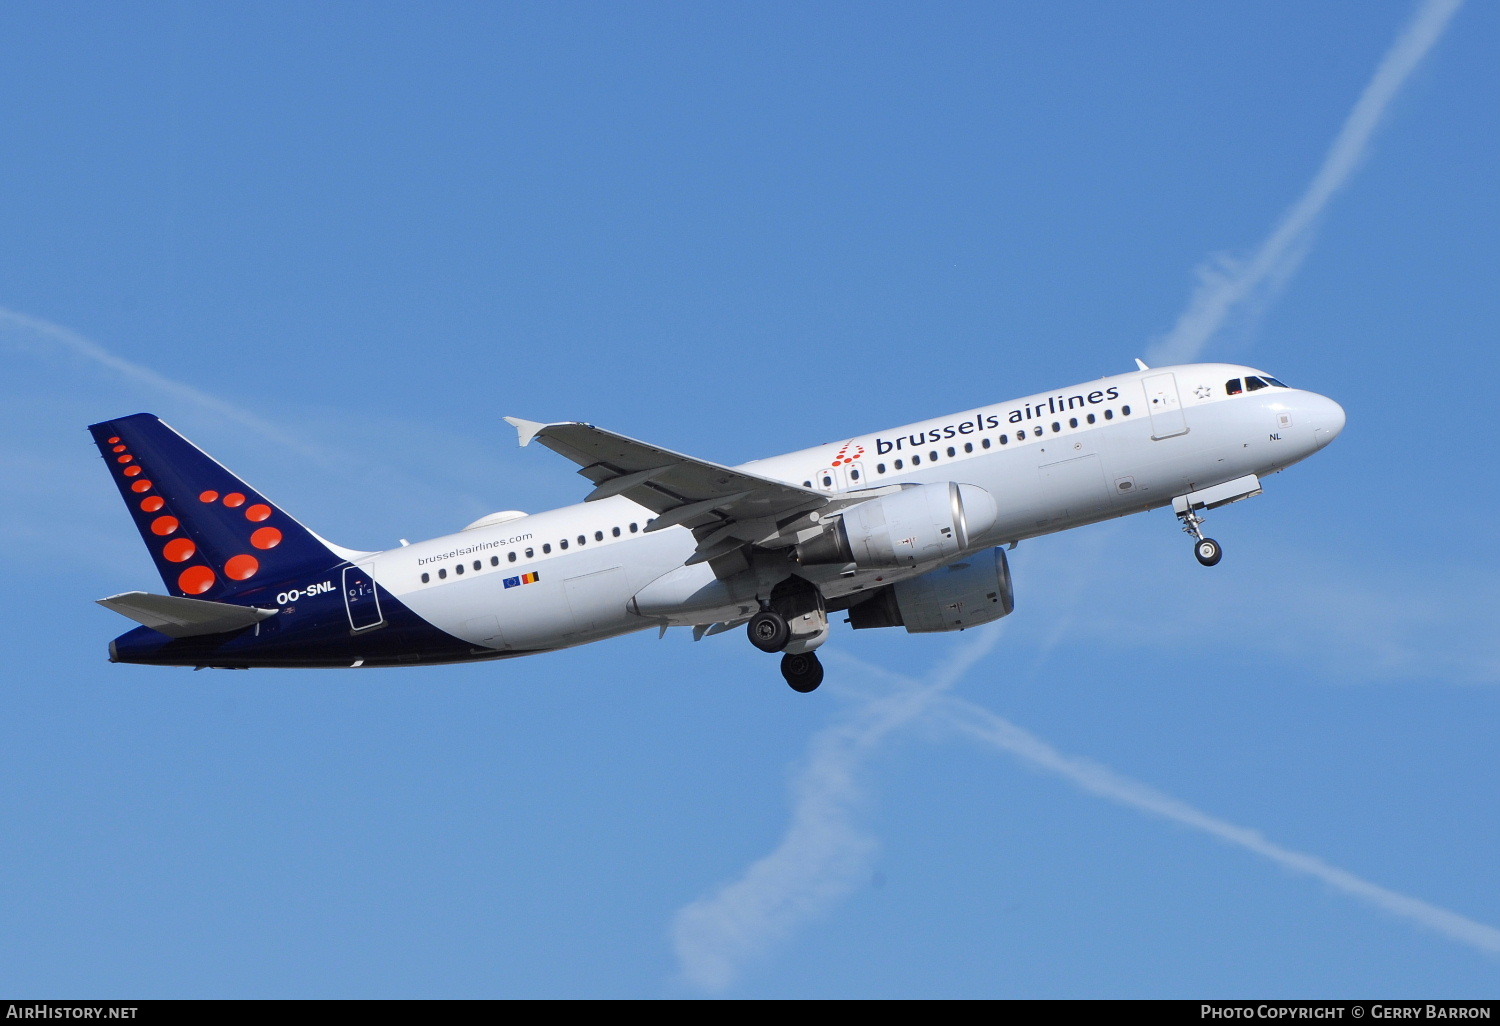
(1207, 550)
(803, 671)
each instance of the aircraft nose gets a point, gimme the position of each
(1328, 420)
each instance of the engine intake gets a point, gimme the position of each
(915, 525)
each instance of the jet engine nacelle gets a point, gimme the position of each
(915, 525)
(950, 598)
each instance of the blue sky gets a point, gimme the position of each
(335, 244)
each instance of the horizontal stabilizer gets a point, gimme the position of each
(184, 617)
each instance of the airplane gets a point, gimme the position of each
(906, 527)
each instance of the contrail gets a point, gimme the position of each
(1222, 288)
(824, 854)
(12, 322)
(1088, 776)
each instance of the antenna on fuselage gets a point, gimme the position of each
(1141, 363)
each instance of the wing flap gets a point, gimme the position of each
(184, 617)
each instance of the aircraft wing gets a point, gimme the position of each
(726, 508)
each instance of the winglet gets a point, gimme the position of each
(527, 429)
(1138, 362)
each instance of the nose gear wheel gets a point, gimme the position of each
(1207, 551)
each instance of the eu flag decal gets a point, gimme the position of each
(512, 582)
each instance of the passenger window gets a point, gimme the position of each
(854, 475)
(495, 560)
(478, 565)
(985, 442)
(598, 536)
(827, 481)
(1232, 387)
(458, 568)
(615, 531)
(583, 539)
(1109, 414)
(1091, 418)
(426, 578)
(563, 544)
(1072, 422)
(1056, 427)
(899, 464)
(511, 556)
(1021, 435)
(968, 447)
(880, 468)
(1254, 384)
(546, 548)
(634, 528)
(916, 461)
(530, 552)
(806, 484)
(443, 573)
(1124, 411)
(952, 451)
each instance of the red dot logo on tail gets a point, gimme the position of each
(195, 580)
(179, 550)
(241, 567)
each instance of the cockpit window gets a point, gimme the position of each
(1278, 382)
(1254, 383)
(1232, 387)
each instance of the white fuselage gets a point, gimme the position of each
(1052, 461)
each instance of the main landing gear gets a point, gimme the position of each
(769, 631)
(792, 621)
(1208, 551)
(803, 672)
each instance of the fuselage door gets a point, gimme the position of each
(1166, 410)
(361, 599)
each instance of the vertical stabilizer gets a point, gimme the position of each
(210, 534)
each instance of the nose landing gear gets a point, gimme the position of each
(1208, 551)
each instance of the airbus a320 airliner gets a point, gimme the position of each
(900, 528)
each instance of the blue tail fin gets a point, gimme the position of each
(209, 532)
